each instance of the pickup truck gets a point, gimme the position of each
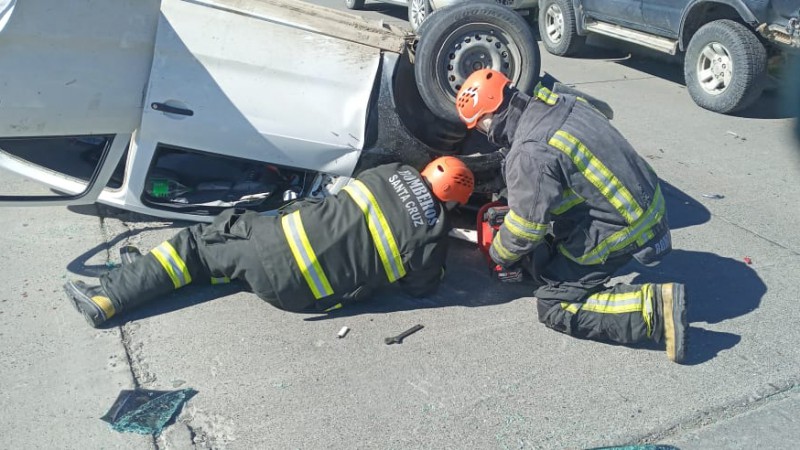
(727, 43)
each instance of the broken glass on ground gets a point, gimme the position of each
(145, 411)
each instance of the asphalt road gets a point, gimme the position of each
(483, 373)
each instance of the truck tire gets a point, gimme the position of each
(557, 27)
(354, 4)
(457, 40)
(725, 66)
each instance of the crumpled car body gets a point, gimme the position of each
(181, 108)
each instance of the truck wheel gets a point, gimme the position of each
(557, 27)
(354, 4)
(418, 11)
(725, 66)
(460, 39)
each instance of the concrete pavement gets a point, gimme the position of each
(483, 373)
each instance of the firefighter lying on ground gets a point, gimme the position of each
(389, 225)
(568, 168)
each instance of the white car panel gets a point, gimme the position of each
(73, 68)
(288, 96)
(76, 67)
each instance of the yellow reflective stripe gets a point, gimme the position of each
(520, 227)
(220, 280)
(647, 311)
(607, 303)
(571, 307)
(172, 264)
(304, 255)
(501, 250)
(598, 174)
(545, 95)
(379, 229)
(624, 237)
(105, 304)
(334, 307)
(568, 200)
(644, 237)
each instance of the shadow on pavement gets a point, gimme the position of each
(468, 284)
(682, 210)
(105, 211)
(717, 289)
(395, 11)
(79, 265)
(183, 298)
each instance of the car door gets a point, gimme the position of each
(663, 17)
(621, 12)
(72, 75)
(234, 79)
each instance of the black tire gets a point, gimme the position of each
(418, 12)
(559, 37)
(457, 40)
(354, 4)
(733, 43)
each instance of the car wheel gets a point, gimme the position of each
(466, 37)
(725, 66)
(354, 4)
(418, 11)
(557, 27)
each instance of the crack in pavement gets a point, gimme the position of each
(756, 234)
(125, 337)
(776, 391)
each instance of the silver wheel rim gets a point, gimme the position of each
(418, 13)
(714, 68)
(473, 47)
(554, 24)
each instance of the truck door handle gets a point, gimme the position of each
(163, 107)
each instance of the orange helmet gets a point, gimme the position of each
(481, 94)
(450, 179)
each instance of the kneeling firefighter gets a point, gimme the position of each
(582, 204)
(388, 225)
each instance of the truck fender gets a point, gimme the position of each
(744, 12)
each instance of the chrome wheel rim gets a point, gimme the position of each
(714, 68)
(418, 13)
(554, 24)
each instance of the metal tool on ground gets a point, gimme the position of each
(399, 338)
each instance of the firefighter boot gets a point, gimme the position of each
(671, 307)
(91, 301)
(129, 255)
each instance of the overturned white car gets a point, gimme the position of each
(180, 108)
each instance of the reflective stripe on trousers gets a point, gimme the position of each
(304, 255)
(641, 301)
(173, 264)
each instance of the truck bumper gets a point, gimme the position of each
(787, 35)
